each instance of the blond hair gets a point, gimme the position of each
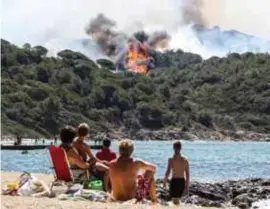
(83, 129)
(126, 148)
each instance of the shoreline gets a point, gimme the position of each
(202, 135)
(178, 134)
(222, 194)
(8, 141)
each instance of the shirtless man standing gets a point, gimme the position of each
(179, 166)
(123, 173)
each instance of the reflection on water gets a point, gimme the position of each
(208, 160)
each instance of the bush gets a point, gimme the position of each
(42, 75)
(205, 119)
(37, 94)
(45, 93)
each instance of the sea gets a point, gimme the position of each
(210, 161)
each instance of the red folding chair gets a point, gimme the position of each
(62, 171)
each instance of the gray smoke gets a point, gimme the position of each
(112, 42)
(192, 12)
(58, 27)
(159, 39)
(102, 30)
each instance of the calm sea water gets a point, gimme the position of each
(209, 161)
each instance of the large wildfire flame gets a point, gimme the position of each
(137, 57)
(115, 44)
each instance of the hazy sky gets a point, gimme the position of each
(52, 22)
(250, 16)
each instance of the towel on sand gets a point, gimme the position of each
(85, 194)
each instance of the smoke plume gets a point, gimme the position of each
(159, 40)
(101, 29)
(60, 24)
(112, 42)
(192, 12)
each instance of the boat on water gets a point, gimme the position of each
(32, 144)
(36, 147)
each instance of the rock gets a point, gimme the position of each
(209, 191)
(189, 136)
(196, 200)
(243, 206)
(265, 191)
(243, 199)
(211, 196)
(240, 193)
(265, 183)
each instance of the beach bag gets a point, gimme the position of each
(32, 186)
(29, 185)
(12, 187)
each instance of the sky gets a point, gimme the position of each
(53, 23)
(249, 16)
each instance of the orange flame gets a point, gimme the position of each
(136, 58)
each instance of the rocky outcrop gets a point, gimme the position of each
(240, 193)
(175, 134)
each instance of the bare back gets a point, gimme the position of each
(178, 165)
(123, 176)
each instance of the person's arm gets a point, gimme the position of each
(99, 159)
(146, 166)
(77, 161)
(114, 156)
(187, 178)
(168, 172)
(90, 154)
(45, 192)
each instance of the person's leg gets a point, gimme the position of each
(152, 185)
(177, 186)
(105, 171)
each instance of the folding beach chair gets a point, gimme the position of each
(62, 171)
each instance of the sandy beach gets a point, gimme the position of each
(14, 202)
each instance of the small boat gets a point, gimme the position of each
(36, 147)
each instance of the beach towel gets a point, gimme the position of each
(143, 185)
(86, 194)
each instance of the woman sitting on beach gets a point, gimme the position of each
(67, 136)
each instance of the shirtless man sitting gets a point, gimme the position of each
(179, 166)
(123, 173)
(96, 166)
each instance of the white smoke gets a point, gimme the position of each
(60, 24)
(248, 16)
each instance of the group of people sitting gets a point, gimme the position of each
(120, 173)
